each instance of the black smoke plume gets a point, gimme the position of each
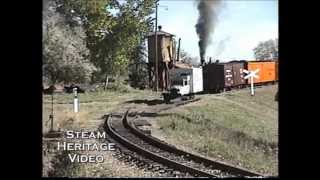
(208, 11)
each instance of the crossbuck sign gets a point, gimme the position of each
(251, 75)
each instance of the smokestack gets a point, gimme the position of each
(208, 10)
(159, 27)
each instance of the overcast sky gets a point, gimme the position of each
(242, 24)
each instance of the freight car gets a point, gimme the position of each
(277, 70)
(185, 82)
(223, 76)
(218, 77)
(267, 71)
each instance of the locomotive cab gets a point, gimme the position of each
(182, 85)
(185, 82)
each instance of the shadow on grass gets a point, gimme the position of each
(112, 115)
(145, 101)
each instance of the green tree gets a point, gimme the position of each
(111, 38)
(65, 55)
(266, 50)
(138, 69)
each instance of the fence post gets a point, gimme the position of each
(75, 101)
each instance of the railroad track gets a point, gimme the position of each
(168, 160)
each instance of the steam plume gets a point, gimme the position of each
(221, 46)
(208, 10)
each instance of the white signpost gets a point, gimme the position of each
(251, 75)
(75, 101)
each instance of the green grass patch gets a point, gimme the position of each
(93, 105)
(230, 126)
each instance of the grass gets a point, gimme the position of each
(98, 96)
(232, 126)
(93, 106)
(60, 166)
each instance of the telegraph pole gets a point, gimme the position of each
(51, 115)
(178, 55)
(52, 133)
(156, 50)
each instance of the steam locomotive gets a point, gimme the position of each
(217, 77)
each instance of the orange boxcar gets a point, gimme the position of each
(267, 70)
(277, 70)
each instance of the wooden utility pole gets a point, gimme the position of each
(51, 115)
(178, 55)
(156, 50)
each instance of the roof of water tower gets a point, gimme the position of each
(160, 32)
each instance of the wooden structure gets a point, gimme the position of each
(166, 52)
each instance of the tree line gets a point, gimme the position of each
(87, 41)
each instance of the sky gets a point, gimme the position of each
(241, 25)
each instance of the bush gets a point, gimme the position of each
(120, 87)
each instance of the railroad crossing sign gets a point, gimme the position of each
(251, 75)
